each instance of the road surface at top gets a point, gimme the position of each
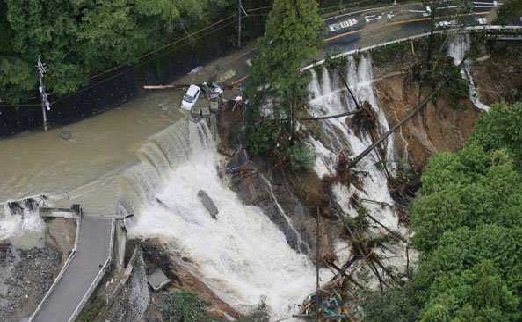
(93, 250)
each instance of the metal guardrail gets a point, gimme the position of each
(368, 48)
(62, 271)
(98, 277)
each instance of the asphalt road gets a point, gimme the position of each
(349, 31)
(93, 249)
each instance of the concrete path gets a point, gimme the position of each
(92, 252)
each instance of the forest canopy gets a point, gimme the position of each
(78, 38)
(467, 226)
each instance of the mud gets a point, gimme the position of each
(437, 128)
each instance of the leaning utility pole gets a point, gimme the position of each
(42, 69)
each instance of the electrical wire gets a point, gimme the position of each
(90, 86)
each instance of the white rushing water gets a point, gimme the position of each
(457, 49)
(21, 223)
(328, 97)
(242, 256)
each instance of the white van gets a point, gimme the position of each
(191, 97)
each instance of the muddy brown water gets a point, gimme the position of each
(82, 168)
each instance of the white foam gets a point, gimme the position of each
(241, 255)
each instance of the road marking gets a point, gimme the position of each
(342, 35)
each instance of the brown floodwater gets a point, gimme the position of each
(82, 168)
(94, 167)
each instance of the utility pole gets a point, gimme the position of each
(239, 16)
(317, 298)
(42, 69)
(240, 12)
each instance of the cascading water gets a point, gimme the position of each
(338, 136)
(21, 222)
(457, 49)
(242, 256)
(292, 235)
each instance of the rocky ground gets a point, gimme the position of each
(26, 274)
(135, 301)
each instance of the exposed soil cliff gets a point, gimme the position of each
(498, 77)
(437, 128)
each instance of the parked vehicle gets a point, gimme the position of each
(191, 96)
(369, 18)
(213, 87)
(445, 24)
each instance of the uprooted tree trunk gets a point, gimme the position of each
(417, 109)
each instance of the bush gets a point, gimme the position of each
(184, 307)
(301, 156)
(263, 139)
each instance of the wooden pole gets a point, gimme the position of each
(239, 16)
(317, 301)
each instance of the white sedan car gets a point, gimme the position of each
(191, 97)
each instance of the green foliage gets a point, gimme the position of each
(263, 139)
(477, 269)
(500, 128)
(293, 36)
(184, 307)
(432, 215)
(510, 10)
(466, 189)
(396, 304)
(302, 157)
(16, 77)
(392, 54)
(77, 39)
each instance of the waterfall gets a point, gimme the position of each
(359, 77)
(292, 235)
(337, 136)
(21, 222)
(457, 49)
(242, 256)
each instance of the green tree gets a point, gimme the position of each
(292, 37)
(467, 226)
(501, 128)
(465, 190)
(79, 38)
(396, 304)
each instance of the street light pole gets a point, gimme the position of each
(42, 69)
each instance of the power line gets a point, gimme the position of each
(165, 46)
(140, 63)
